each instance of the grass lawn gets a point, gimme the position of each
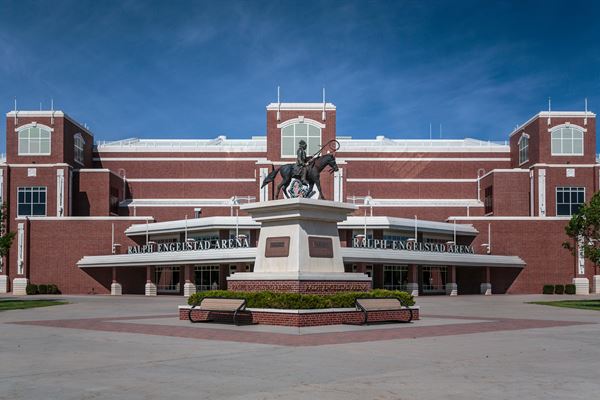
(581, 304)
(22, 304)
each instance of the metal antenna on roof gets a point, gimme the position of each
(586, 112)
(549, 109)
(16, 118)
(40, 106)
(52, 108)
(430, 131)
(440, 130)
(323, 113)
(278, 105)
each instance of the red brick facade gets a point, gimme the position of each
(165, 181)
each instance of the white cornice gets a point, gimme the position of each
(553, 114)
(300, 106)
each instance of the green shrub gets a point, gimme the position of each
(570, 289)
(43, 289)
(53, 289)
(559, 289)
(31, 289)
(296, 301)
(548, 289)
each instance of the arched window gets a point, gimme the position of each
(34, 139)
(292, 133)
(78, 150)
(567, 140)
(523, 148)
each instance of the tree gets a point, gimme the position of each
(584, 229)
(6, 238)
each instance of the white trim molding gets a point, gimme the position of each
(413, 180)
(253, 159)
(425, 159)
(301, 120)
(175, 180)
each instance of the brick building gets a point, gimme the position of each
(435, 216)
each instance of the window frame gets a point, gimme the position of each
(79, 151)
(525, 149)
(292, 123)
(559, 128)
(580, 189)
(27, 127)
(45, 190)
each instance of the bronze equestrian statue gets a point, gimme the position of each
(307, 169)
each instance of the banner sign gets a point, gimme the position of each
(188, 246)
(413, 246)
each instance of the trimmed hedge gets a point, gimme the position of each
(296, 301)
(548, 289)
(32, 289)
(570, 289)
(559, 289)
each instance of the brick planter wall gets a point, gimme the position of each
(301, 318)
(297, 286)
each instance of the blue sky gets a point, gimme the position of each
(200, 69)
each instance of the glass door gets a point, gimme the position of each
(434, 279)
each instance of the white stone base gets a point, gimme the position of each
(3, 284)
(451, 289)
(485, 289)
(150, 289)
(413, 289)
(582, 286)
(116, 289)
(596, 284)
(20, 286)
(189, 289)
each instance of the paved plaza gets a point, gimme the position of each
(134, 347)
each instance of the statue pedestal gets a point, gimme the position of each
(298, 249)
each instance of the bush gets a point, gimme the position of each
(559, 289)
(43, 289)
(55, 289)
(548, 289)
(31, 289)
(570, 289)
(296, 301)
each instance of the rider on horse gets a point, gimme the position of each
(301, 162)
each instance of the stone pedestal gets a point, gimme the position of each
(582, 286)
(596, 284)
(451, 289)
(3, 284)
(299, 249)
(20, 286)
(150, 289)
(116, 289)
(413, 289)
(486, 289)
(189, 289)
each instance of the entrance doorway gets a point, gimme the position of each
(434, 279)
(167, 279)
(206, 277)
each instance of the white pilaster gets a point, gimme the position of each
(116, 289)
(486, 289)
(596, 284)
(582, 286)
(150, 289)
(338, 185)
(20, 286)
(542, 192)
(20, 248)
(263, 192)
(60, 192)
(189, 289)
(3, 283)
(1, 186)
(451, 289)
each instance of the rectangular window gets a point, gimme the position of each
(523, 149)
(292, 134)
(206, 277)
(434, 279)
(395, 277)
(31, 201)
(567, 141)
(34, 140)
(167, 279)
(488, 200)
(568, 200)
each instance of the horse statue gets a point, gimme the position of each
(313, 173)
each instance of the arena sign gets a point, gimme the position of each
(188, 246)
(412, 246)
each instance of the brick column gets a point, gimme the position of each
(412, 286)
(189, 287)
(150, 288)
(115, 287)
(451, 286)
(486, 287)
